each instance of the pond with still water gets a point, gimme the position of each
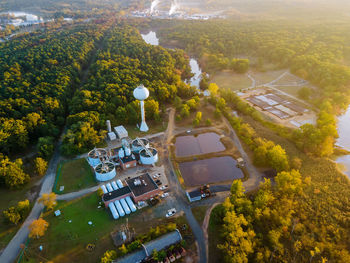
(200, 144)
(213, 170)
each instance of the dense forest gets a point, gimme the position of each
(123, 62)
(318, 53)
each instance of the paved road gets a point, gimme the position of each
(74, 195)
(12, 250)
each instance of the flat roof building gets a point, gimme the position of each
(121, 132)
(143, 187)
(140, 188)
(146, 250)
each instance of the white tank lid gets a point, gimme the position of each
(141, 93)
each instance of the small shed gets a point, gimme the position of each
(111, 136)
(194, 195)
(121, 132)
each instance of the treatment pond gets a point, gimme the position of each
(213, 170)
(199, 144)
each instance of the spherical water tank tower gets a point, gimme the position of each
(141, 93)
(148, 156)
(105, 171)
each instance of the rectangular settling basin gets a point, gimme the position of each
(201, 144)
(213, 170)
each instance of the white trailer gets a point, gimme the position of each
(130, 204)
(120, 184)
(109, 187)
(125, 206)
(104, 189)
(113, 210)
(119, 208)
(114, 185)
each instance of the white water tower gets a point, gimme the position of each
(141, 93)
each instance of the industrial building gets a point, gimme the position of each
(147, 249)
(138, 189)
(105, 162)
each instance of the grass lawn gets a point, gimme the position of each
(290, 90)
(154, 127)
(199, 213)
(75, 175)
(64, 240)
(214, 236)
(266, 77)
(229, 79)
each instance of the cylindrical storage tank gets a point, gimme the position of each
(105, 171)
(130, 204)
(120, 184)
(113, 210)
(109, 127)
(119, 208)
(125, 206)
(109, 187)
(95, 155)
(121, 153)
(104, 189)
(147, 159)
(127, 151)
(136, 146)
(114, 185)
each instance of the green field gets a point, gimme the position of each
(199, 213)
(74, 176)
(290, 90)
(267, 76)
(231, 80)
(68, 234)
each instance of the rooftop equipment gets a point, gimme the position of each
(121, 153)
(125, 206)
(113, 210)
(141, 93)
(130, 204)
(119, 208)
(114, 185)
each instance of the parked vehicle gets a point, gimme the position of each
(171, 212)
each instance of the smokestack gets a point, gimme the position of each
(109, 128)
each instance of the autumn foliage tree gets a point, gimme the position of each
(40, 166)
(48, 200)
(38, 228)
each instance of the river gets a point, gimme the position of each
(151, 38)
(344, 140)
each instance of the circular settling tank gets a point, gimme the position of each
(147, 158)
(136, 145)
(96, 155)
(105, 171)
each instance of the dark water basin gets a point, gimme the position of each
(213, 170)
(195, 145)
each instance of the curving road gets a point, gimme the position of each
(13, 248)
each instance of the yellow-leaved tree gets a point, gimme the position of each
(48, 200)
(38, 228)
